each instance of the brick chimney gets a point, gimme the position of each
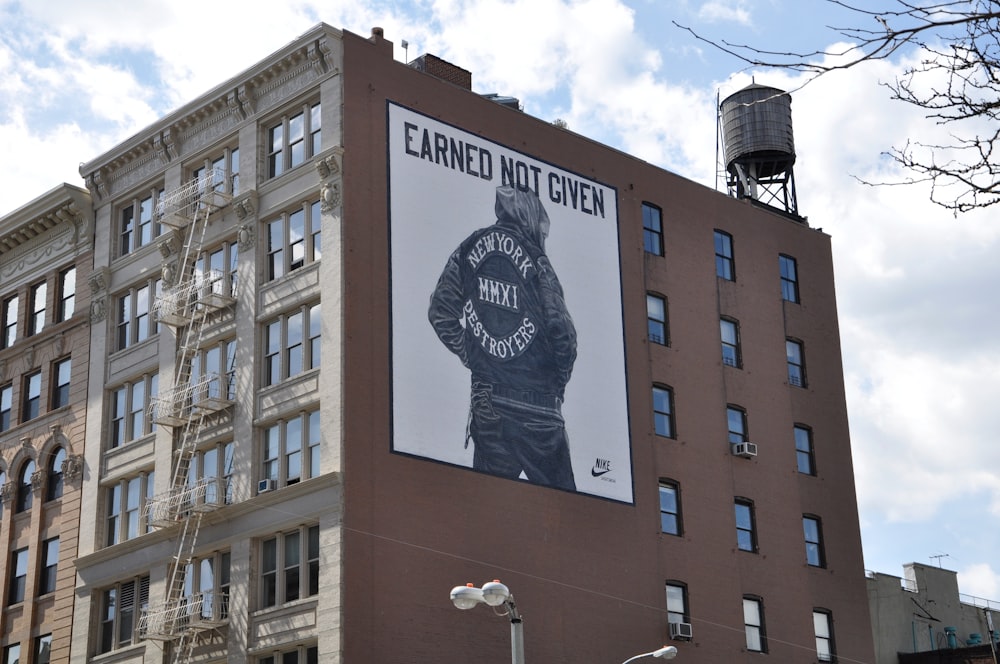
(435, 66)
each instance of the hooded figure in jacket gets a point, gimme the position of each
(499, 307)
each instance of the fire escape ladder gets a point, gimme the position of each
(183, 407)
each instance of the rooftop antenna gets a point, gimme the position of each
(939, 557)
(406, 50)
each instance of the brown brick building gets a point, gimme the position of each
(46, 254)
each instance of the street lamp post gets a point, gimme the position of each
(494, 594)
(666, 652)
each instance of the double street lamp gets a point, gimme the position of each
(496, 594)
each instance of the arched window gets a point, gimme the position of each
(55, 486)
(3, 480)
(24, 487)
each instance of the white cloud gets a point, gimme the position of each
(979, 580)
(725, 10)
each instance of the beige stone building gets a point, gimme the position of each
(45, 258)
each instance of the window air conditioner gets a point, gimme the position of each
(680, 631)
(264, 486)
(745, 450)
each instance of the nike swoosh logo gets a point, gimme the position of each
(597, 473)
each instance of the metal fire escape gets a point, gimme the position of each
(195, 297)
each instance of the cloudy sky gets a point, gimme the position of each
(916, 285)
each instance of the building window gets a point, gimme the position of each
(299, 655)
(12, 654)
(215, 462)
(670, 508)
(812, 529)
(66, 303)
(54, 487)
(135, 322)
(289, 566)
(43, 649)
(120, 606)
(24, 495)
(293, 240)
(18, 576)
(652, 229)
(677, 604)
(746, 536)
(804, 454)
(730, 331)
(138, 226)
(737, 419)
(129, 405)
(656, 317)
(9, 325)
(293, 140)
(753, 623)
(224, 169)
(215, 270)
(663, 411)
(213, 372)
(126, 501)
(724, 256)
(823, 627)
(37, 297)
(292, 344)
(206, 585)
(796, 363)
(291, 449)
(31, 396)
(789, 278)
(60, 383)
(50, 563)
(6, 405)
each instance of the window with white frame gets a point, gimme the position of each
(656, 319)
(18, 576)
(213, 372)
(677, 602)
(753, 623)
(225, 171)
(137, 223)
(50, 565)
(134, 316)
(37, 297)
(291, 449)
(289, 566)
(213, 462)
(730, 332)
(292, 344)
(129, 404)
(215, 269)
(61, 373)
(206, 586)
(125, 501)
(31, 396)
(297, 655)
(293, 139)
(823, 627)
(66, 297)
(8, 324)
(293, 240)
(120, 606)
(736, 418)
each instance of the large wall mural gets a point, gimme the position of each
(507, 346)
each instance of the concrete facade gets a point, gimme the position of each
(45, 259)
(922, 617)
(321, 544)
